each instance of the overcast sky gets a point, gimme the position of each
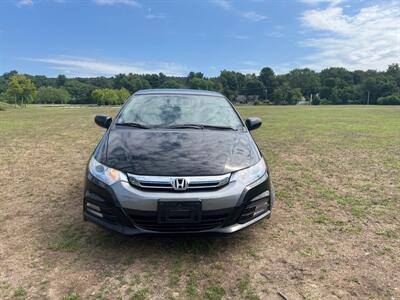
(106, 37)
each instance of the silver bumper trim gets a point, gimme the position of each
(236, 227)
(136, 231)
(228, 229)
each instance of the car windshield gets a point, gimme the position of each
(179, 110)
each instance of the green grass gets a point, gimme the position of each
(245, 289)
(20, 292)
(214, 292)
(336, 170)
(70, 239)
(71, 296)
(192, 286)
(176, 272)
(139, 294)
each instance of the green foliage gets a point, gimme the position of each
(4, 106)
(267, 77)
(110, 96)
(20, 292)
(330, 86)
(140, 294)
(3, 84)
(131, 82)
(286, 95)
(254, 87)
(80, 91)
(172, 84)
(230, 83)
(200, 84)
(306, 80)
(390, 100)
(71, 296)
(214, 292)
(52, 95)
(21, 88)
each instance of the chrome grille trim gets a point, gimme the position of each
(166, 182)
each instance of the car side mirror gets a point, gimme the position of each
(253, 123)
(103, 121)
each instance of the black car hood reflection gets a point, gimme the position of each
(184, 152)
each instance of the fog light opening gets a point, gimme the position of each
(93, 207)
(95, 213)
(262, 195)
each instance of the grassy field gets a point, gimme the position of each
(334, 232)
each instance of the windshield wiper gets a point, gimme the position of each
(219, 127)
(200, 126)
(187, 125)
(137, 125)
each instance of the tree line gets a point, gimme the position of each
(329, 86)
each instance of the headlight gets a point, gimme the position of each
(105, 174)
(250, 174)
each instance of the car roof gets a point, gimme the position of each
(178, 91)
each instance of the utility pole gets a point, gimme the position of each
(368, 98)
(311, 99)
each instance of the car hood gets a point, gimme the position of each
(185, 152)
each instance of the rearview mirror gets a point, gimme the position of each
(103, 121)
(253, 123)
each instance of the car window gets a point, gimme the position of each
(167, 110)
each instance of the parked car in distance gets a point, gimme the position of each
(174, 161)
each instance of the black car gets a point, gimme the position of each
(177, 161)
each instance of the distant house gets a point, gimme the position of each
(303, 101)
(246, 98)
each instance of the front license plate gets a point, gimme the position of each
(179, 211)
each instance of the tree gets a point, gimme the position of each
(267, 77)
(342, 76)
(295, 96)
(378, 86)
(80, 92)
(21, 88)
(3, 84)
(110, 96)
(254, 87)
(306, 80)
(281, 95)
(172, 84)
(394, 71)
(199, 83)
(193, 75)
(153, 79)
(105, 96)
(331, 85)
(52, 95)
(390, 100)
(123, 95)
(61, 80)
(41, 80)
(102, 82)
(131, 82)
(230, 83)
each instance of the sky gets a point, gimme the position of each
(107, 37)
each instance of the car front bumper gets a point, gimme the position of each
(129, 210)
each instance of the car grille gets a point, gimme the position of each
(148, 221)
(185, 183)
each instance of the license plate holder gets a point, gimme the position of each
(175, 212)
